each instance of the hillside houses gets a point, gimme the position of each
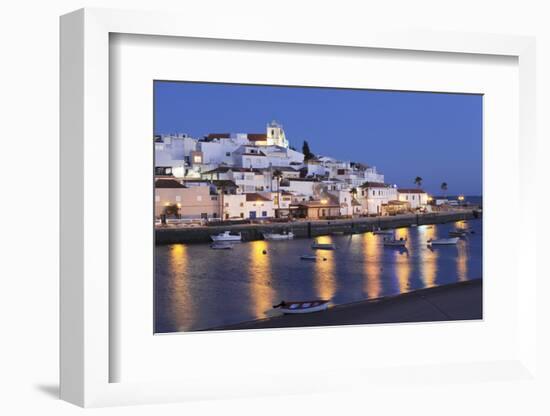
(250, 176)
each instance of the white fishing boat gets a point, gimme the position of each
(297, 307)
(323, 246)
(380, 231)
(226, 236)
(443, 241)
(221, 246)
(392, 242)
(276, 236)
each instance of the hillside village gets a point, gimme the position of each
(252, 176)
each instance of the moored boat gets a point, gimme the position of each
(298, 307)
(443, 241)
(221, 245)
(457, 233)
(392, 242)
(276, 236)
(226, 236)
(323, 246)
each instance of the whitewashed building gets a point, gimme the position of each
(416, 198)
(374, 195)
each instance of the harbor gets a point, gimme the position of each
(198, 288)
(309, 229)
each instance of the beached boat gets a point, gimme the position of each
(226, 236)
(443, 241)
(380, 231)
(281, 236)
(297, 307)
(221, 246)
(323, 246)
(392, 242)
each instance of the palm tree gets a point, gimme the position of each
(444, 188)
(418, 181)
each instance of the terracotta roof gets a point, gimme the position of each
(256, 197)
(375, 185)
(256, 137)
(411, 191)
(218, 136)
(168, 183)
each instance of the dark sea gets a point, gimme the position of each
(199, 288)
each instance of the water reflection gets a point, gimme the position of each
(261, 292)
(428, 256)
(373, 265)
(402, 262)
(180, 293)
(198, 288)
(462, 261)
(325, 282)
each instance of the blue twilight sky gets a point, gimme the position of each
(404, 134)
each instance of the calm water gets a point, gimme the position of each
(198, 288)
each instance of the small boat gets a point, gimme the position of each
(310, 257)
(443, 241)
(392, 242)
(226, 236)
(275, 236)
(379, 231)
(302, 306)
(458, 233)
(323, 246)
(221, 246)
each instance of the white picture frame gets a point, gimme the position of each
(86, 353)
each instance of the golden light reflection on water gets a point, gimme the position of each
(373, 265)
(428, 256)
(462, 261)
(180, 293)
(402, 262)
(262, 293)
(325, 281)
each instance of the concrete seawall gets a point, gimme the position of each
(309, 229)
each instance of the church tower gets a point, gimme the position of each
(276, 135)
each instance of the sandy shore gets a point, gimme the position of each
(458, 301)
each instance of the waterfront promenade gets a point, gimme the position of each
(306, 228)
(456, 301)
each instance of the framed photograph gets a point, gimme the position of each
(322, 202)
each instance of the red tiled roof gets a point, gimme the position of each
(257, 137)
(411, 191)
(168, 183)
(256, 197)
(218, 136)
(375, 185)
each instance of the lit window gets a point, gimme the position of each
(197, 159)
(199, 198)
(178, 198)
